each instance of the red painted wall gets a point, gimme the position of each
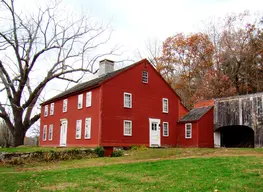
(206, 130)
(146, 103)
(182, 110)
(187, 142)
(72, 115)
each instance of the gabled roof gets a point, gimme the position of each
(89, 84)
(195, 114)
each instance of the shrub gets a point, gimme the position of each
(99, 151)
(117, 153)
(138, 147)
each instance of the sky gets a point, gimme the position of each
(137, 21)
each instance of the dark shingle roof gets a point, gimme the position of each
(195, 114)
(89, 84)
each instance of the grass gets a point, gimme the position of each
(193, 174)
(149, 170)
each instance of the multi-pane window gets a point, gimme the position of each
(52, 108)
(127, 126)
(165, 105)
(128, 100)
(165, 129)
(145, 77)
(87, 128)
(88, 99)
(46, 111)
(188, 130)
(65, 105)
(80, 101)
(50, 132)
(45, 133)
(78, 129)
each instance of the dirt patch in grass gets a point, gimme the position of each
(60, 186)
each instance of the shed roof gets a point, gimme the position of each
(195, 114)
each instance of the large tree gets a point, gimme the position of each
(37, 48)
(184, 61)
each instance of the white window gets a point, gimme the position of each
(46, 111)
(80, 101)
(165, 129)
(52, 108)
(128, 100)
(165, 105)
(78, 129)
(188, 130)
(127, 126)
(88, 99)
(87, 128)
(145, 77)
(45, 133)
(50, 132)
(65, 105)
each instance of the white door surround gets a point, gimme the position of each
(63, 132)
(155, 132)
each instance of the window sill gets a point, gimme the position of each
(127, 135)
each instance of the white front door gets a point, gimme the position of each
(63, 132)
(155, 136)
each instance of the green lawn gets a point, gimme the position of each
(193, 174)
(149, 170)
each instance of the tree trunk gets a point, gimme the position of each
(18, 138)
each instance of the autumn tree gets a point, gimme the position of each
(37, 48)
(241, 53)
(184, 61)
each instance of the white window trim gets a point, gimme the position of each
(190, 130)
(124, 103)
(52, 108)
(79, 120)
(80, 101)
(128, 121)
(46, 111)
(65, 102)
(167, 129)
(44, 133)
(146, 78)
(85, 131)
(50, 130)
(164, 111)
(88, 103)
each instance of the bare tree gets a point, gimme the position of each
(36, 49)
(5, 135)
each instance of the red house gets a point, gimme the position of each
(195, 129)
(130, 106)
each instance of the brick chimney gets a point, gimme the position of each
(106, 66)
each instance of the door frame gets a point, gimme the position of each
(158, 121)
(63, 145)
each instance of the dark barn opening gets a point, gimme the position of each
(237, 136)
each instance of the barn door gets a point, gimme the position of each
(63, 132)
(155, 137)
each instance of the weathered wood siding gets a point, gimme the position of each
(241, 110)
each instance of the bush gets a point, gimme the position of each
(99, 151)
(117, 153)
(138, 147)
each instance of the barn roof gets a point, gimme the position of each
(195, 114)
(89, 84)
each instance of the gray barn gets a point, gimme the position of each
(238, 121)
